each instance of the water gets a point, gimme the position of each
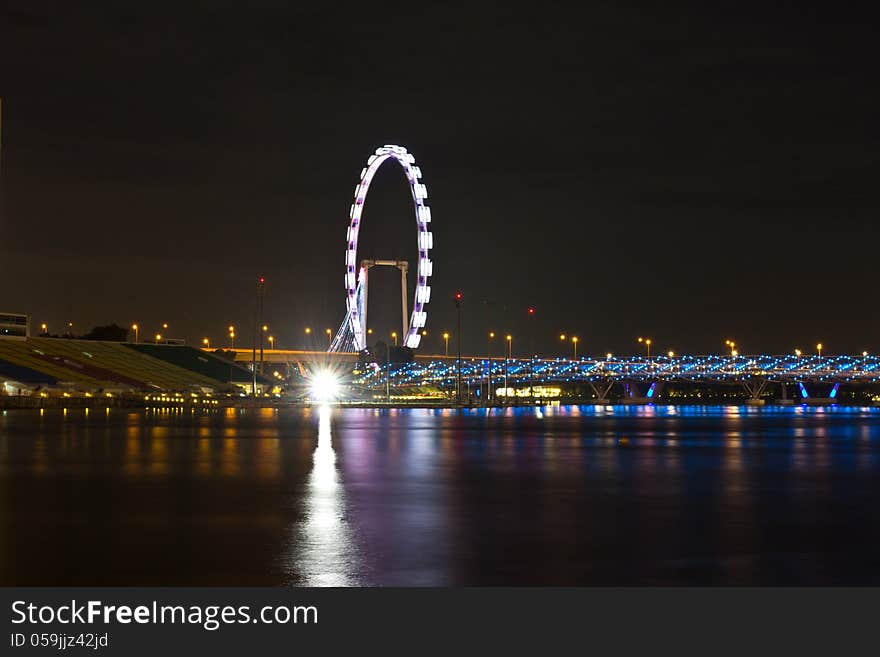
(563, 496)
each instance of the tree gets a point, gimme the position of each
(109, 333)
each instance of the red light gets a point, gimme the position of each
(458, 295)
(262, 280)
(531, 311)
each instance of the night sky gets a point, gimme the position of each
(689, 172)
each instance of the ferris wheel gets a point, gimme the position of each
(353, 332)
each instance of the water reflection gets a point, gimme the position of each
(324, 548)
(559, 496)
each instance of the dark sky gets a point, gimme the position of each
(692, 172)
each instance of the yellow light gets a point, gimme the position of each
(393, 334)
(671, 354)
(574, 338)
(734, 353)
(562, 336)
(864, 353)
(640, 340)
(328, 331)
(265, 327)
(797, 352)
(509, 338)
(165, 326)
(445, 336)
(369, 331)
(609, 355)
(424, 333)
(231, 328)
(491, 334)
(648, 341)
(819, 346)
(205, 341)
(308, 330)
(158, 337)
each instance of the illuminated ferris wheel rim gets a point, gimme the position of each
(419, 193)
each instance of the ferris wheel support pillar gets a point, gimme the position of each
(405, 317)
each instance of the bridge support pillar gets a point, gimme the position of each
(633, 394)
(601, 391)
(806, 398)
(755, 388)
(784, 399)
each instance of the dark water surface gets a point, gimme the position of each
(564, 495)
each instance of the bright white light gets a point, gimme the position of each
(324, 386)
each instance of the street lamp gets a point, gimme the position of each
(206, 342)
(329, 335)
(509, 339)
(394, 335)
(489, 339)
(232, 339)
(158, 338)
(44, 328)
(732, 345)
(446, 347)
(574, 343)
(271, 342)
(671, 354)
(647, 343)
(134, 327)
(458, 297)
(819, 349)
(797, 352)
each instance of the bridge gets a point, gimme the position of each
(641, 378)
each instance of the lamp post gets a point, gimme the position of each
(574, 343)
(489, 339)
(231, 336)
(819, 349)
(446, 344)
(647, 343)
(394, 336)
(271, 343)
(329, 334)
(562, 338)
(509, 339)
(262, 334)
(134, 327)
(732, 345)
(458, 360)
(206, 342)
(158, 338)
(531, 353)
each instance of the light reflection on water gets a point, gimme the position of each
(340, 497)
(324, 552)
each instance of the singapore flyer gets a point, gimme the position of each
(354, 276)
